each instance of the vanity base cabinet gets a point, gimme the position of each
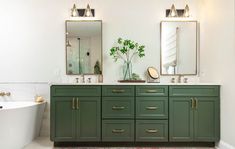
(194, 118)
(75, 119)
(135, 115)
(118, 113)
(180, 119)
(63, 119)
(206, 119)
(89, 119)
(151, 113)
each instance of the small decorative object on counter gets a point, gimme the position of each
(126, 51)
(39, 99)
(153, 75)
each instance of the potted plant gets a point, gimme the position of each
(126, 50)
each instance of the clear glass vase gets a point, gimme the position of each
(127, 70)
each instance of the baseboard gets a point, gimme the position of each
(224, 145)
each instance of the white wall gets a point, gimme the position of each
(37, 52)
(218, 58)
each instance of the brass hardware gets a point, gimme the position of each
(196, 103)
(73, 104)
(77, 103)
(151, 91)
(151, 130)
(192, 103)
(118, 131)
(5, 94)
(172, 80)
(118, 91)
(118, 108)
(151, 108)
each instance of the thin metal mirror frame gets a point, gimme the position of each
(101, 46)
(197, 50)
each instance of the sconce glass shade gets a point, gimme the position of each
(74, 11)
(173, 12)
(186, 11)
(88, 12)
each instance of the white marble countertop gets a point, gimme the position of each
(117, 83)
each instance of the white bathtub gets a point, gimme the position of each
(20, 123)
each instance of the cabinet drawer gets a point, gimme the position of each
(192, 90)
(118, 107)
(118, 130)
(151, 130)
(75, 90)
(151, 90)
(151, 107)
(118, 90)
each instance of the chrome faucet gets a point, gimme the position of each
(5, 93)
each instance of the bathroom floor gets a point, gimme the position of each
(45, 143)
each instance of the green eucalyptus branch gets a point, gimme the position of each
(125, 48)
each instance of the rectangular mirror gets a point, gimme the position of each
(83, 47)
(179, 47)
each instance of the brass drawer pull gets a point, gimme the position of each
(118, 91)
(77, 103)
(73, 103)
(118, 131)
(196, 103)
(192, 103)
(151, 130)
(151, 108)
(118, 108)
(151, 91)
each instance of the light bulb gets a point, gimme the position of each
(173, 11)
(88, 12)
(186, 11)
(74, 11)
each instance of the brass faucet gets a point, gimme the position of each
(179, 78)
(5, 93)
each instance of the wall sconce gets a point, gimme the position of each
(74, 12)
(88, 12)
(173, 12)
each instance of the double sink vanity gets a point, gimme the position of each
(135, 113)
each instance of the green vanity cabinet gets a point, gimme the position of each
(135, 113)
(118, 113)
(75, 118)
(194, 114)
(63, 119)
(151, 113)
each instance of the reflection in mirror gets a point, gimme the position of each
(83, 47)
(179, 48)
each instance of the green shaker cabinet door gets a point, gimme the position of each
(118, 130)
(118, 107)
(88, 119)
(152, 130)
(63, 119)
(206, 119)
(151, 107)
(180, 119)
